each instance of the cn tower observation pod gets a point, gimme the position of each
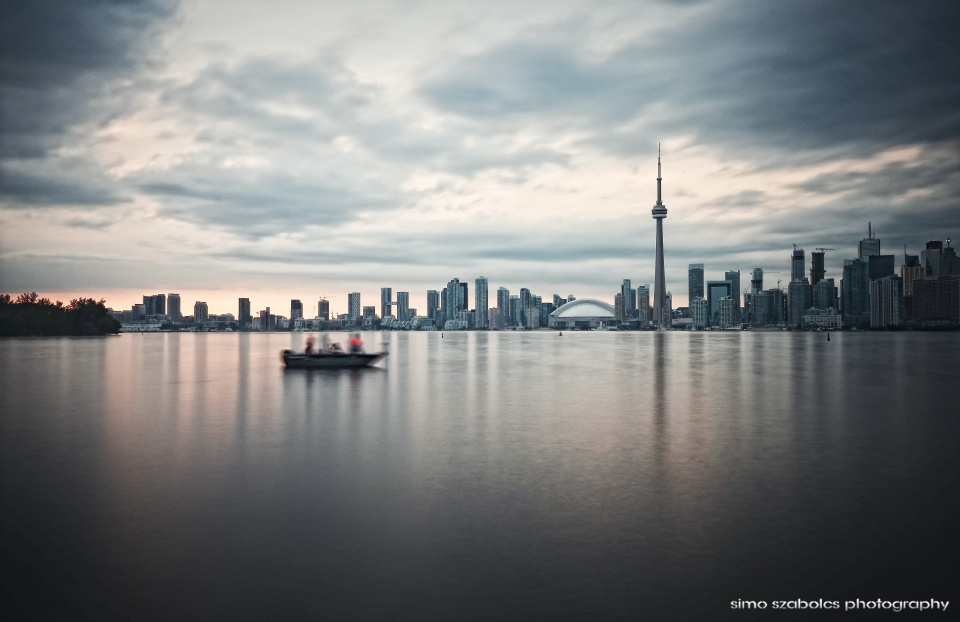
(582, 313)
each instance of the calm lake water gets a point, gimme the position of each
(487, 476)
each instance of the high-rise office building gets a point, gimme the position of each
(715, 291)
(323, 309)
(516, 311)
(629, 295)
(433, 305)
(296, 310)
(661, 317)
(700, 312)
(403, 305)
(453, 303)
(886, 302)
(929, 259)
(244, 317)
(386, 301)
(879, 266)
(855, 291)
(173, 307)
(644, 312)
(503, 303)
(824, 294)
(798, 300)
(524, 302)
(464, 297)
(156, 304)
(868, 246)
(482, 304)
(734, 277)
(353, 305)
(817, 270)
(796, 264)
(200, 311)
(695, 281)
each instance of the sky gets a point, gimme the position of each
(220, 149)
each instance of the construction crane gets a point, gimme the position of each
(821, 249)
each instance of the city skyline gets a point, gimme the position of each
(222, 151)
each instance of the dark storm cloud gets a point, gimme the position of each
(859, 76)
(60, 63)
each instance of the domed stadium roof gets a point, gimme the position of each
(583, 309)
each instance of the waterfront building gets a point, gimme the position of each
(496, 318)
(296, 310)
(369, 314)
(403, 306)
(353, 306)
(629, 296)
(715, 291)
(644, 312)
(244, 317)
(503, 303)
(727, 313)
(453, 302)
(855, 292)
(200, 311)
(582, 314)
(824, 294)
(734, 277)
(694, 281)
(433, 305)
(482, 304)
(516, 311)
(937, 299)
(173, 307)
(798, 300)
(525, 301)
(661, 316)
(886, 302)
(700, 312)
(155, 305)
(386, 301)
(767, 307)
(323, 309)
(822, 318)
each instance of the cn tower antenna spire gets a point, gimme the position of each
(661, 312)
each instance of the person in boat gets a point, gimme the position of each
(356, 343)
(310, 349)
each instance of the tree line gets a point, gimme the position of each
(30, 315)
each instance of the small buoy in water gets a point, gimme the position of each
(561, 334)
(441, 335)
(828, 336)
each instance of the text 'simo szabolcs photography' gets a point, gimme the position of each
(374, 311)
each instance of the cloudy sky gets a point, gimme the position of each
(297, 149)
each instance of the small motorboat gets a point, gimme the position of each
(331, 359)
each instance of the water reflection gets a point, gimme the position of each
(511, 474)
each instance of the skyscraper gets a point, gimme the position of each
(454, 303)
(323, 309)
(296, 310)
(503, 303)
(756, 281)
(173, 307)
(659, 211)
(817, 271)
(734, 277)
(199, 311)
(386, 301)
(715, 291)
(353, 305)
(629, 296)
(869, 245)
(243, 313)
(524, 304)
(433, 305)
(403, 305)
(796, 264)
(695, 281)
(482, 303)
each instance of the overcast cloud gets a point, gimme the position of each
(230, 148)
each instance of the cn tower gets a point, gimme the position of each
(661, 315)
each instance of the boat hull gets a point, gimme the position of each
(330, 360)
